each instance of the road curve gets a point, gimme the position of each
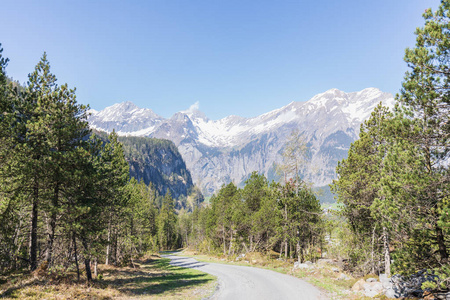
(241, 282)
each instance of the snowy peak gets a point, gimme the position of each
(125, 118)
(347, 109)
(356, 106)
(123, 111)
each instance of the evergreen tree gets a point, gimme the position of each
(358, 186)
(426, 99)
(166, 221)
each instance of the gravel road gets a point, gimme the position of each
(241, 282)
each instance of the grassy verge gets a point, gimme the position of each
(327, 278)
(151, 278)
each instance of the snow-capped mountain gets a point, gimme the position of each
(124, 118)
(229, 149)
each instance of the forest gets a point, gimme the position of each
(66, 198)
(68, 202)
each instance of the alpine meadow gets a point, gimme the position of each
(348, 191)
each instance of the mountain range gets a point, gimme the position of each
(220, 151)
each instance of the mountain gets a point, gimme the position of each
(141, 121)
(229, 149)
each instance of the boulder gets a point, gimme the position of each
(372, 289)
(359, 285)
(390, 293)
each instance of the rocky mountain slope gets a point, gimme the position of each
(158, 162)
(220, 151)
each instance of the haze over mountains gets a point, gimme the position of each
(229, 149)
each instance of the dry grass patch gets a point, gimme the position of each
(150, 278)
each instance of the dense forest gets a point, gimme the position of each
(67, 200)
(258, 218)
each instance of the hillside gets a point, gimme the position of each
(158, 162)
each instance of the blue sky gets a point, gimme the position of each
(232, 57)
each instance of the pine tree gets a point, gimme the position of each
(415, 180)
(358, 187)
(426, 100)
(166, 221)
(114, 175)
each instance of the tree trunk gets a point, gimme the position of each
(108, 245)
(441, 244)
(285, 248)
(231, 242)
(285, 232)
(373, 250)
(387, 256)
(223, 238)
(87, 266)
(76, 255)
(95, 268)
(51, 227)
(281, 250)
(116, 248)
(33, 229)
(87, 260)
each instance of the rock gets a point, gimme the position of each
(335, 270)
(372, 288)
(370, 293)
(407, 287)
(390, 293)
(358, 286)
(343, 276)
(298, 265)
(384, 280)
(326, 261)
(241, 256)
(371, 280)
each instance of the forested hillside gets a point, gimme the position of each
(158, 163)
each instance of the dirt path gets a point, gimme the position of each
(241, 282)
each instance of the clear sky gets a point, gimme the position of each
(231, 56)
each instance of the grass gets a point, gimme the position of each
(323, 276)
(152, 278)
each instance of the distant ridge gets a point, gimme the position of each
(229, 149)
